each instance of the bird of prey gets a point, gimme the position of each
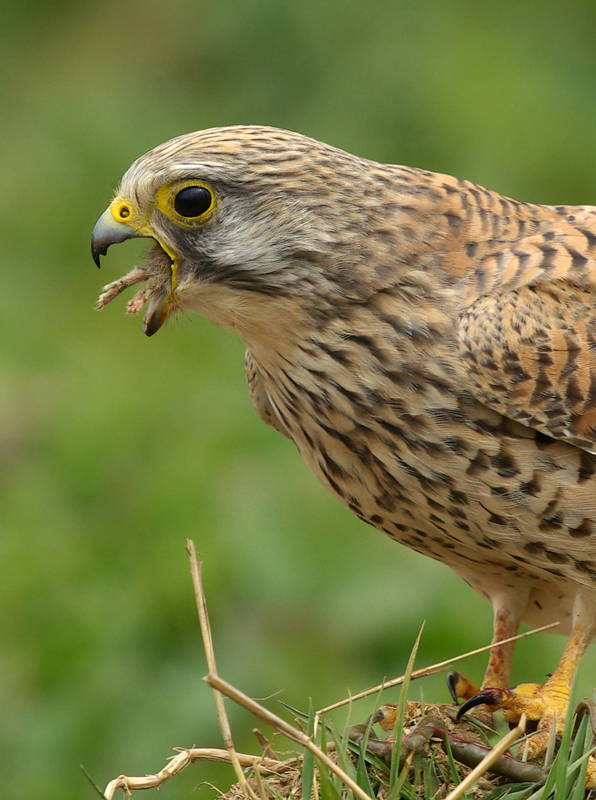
(428, 345)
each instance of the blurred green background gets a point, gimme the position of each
(114, 448)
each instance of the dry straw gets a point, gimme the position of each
(265, 764)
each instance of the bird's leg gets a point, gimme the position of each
(556, 692)
(547, 704)
(507, 611)
(506, 622)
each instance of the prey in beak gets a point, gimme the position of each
(157, 275)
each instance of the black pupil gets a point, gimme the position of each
(192, 201)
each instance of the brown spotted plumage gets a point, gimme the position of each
(428, 345)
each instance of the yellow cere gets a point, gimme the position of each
(121, 210)
(124, 212)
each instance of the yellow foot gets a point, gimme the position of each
(546, 705)
(591, 774)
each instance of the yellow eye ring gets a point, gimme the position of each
(187, 203)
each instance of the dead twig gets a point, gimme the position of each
(265, 744)
(279, 724)
(224, 723)
(422, 673)
(265, 765)
(186, 756)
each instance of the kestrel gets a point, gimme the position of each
(428, 345)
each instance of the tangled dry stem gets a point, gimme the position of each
(264, 764)
(187, 756)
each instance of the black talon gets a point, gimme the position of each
(489, 697)
(452, 678)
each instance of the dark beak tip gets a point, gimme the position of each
(99, 247)
(96, 256)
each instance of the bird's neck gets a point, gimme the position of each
(266, 324)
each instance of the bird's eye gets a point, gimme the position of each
(193, 201)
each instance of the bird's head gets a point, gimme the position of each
(245, 220)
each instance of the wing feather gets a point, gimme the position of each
(528, 333)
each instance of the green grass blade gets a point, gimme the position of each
(362, 776)
(454, 777)
(400, 786)
(295, 711)
(328, 790)
(308, 762)
(512, 791)
(576, 771)
(557, 780)
(401, 711)
(561, 761)
(430, 776)
(92, 782)
(341, 752)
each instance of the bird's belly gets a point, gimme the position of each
(536, 601)
(484, 504)
(548, 604)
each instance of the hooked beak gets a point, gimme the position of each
(110, 230)
(106, 232)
